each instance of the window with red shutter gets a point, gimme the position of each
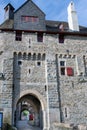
(69, 71)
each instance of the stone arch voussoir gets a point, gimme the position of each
(34, 93)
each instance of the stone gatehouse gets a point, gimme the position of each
(43, 67)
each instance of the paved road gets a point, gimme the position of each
(23, 125)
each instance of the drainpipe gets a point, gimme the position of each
(58, 89)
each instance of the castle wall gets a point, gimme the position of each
(64, 91)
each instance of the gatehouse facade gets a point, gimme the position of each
(43, 70)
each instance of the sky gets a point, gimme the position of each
(54, 9)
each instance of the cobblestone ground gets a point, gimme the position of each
(23, 125)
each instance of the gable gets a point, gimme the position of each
(28, 2)
(29, 11)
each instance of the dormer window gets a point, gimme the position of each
(31, 19)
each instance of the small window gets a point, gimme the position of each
(61, 38)
(38, 63)
(29, 71)
(29, 46)
(62, 67)
(62, 71)
(40, 37)
(29, 41)
(18, 36)
(19, 62)
(66, 112)
(62, 63)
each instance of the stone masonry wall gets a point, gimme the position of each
(1, 69)
(6, 80)
(72, 96)
(7, 89)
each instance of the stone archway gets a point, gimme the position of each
(34, 102)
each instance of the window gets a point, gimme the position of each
(29, 41)
(62, 71)
(29, 71)
(62, 63)
(65, 112)
(38, 63)
(19, 62)
(62, 67)
(61, 38)
(40, 37)
(65, 70)
(32, 19)
(18, 36)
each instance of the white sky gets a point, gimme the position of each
(54, 9)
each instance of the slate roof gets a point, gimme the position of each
(54, 26)
(26, 3)
(51, 26)
(10, 6)
(8, 24)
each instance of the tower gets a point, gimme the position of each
(9, 12)
(72, 17)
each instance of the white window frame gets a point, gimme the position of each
(62, 66)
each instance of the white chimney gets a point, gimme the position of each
(72, 18)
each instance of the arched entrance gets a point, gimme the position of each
(31, 108)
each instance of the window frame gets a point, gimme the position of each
(61, 67)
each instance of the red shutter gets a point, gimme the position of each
(69, 71)
(26, 19)
(31, 117)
